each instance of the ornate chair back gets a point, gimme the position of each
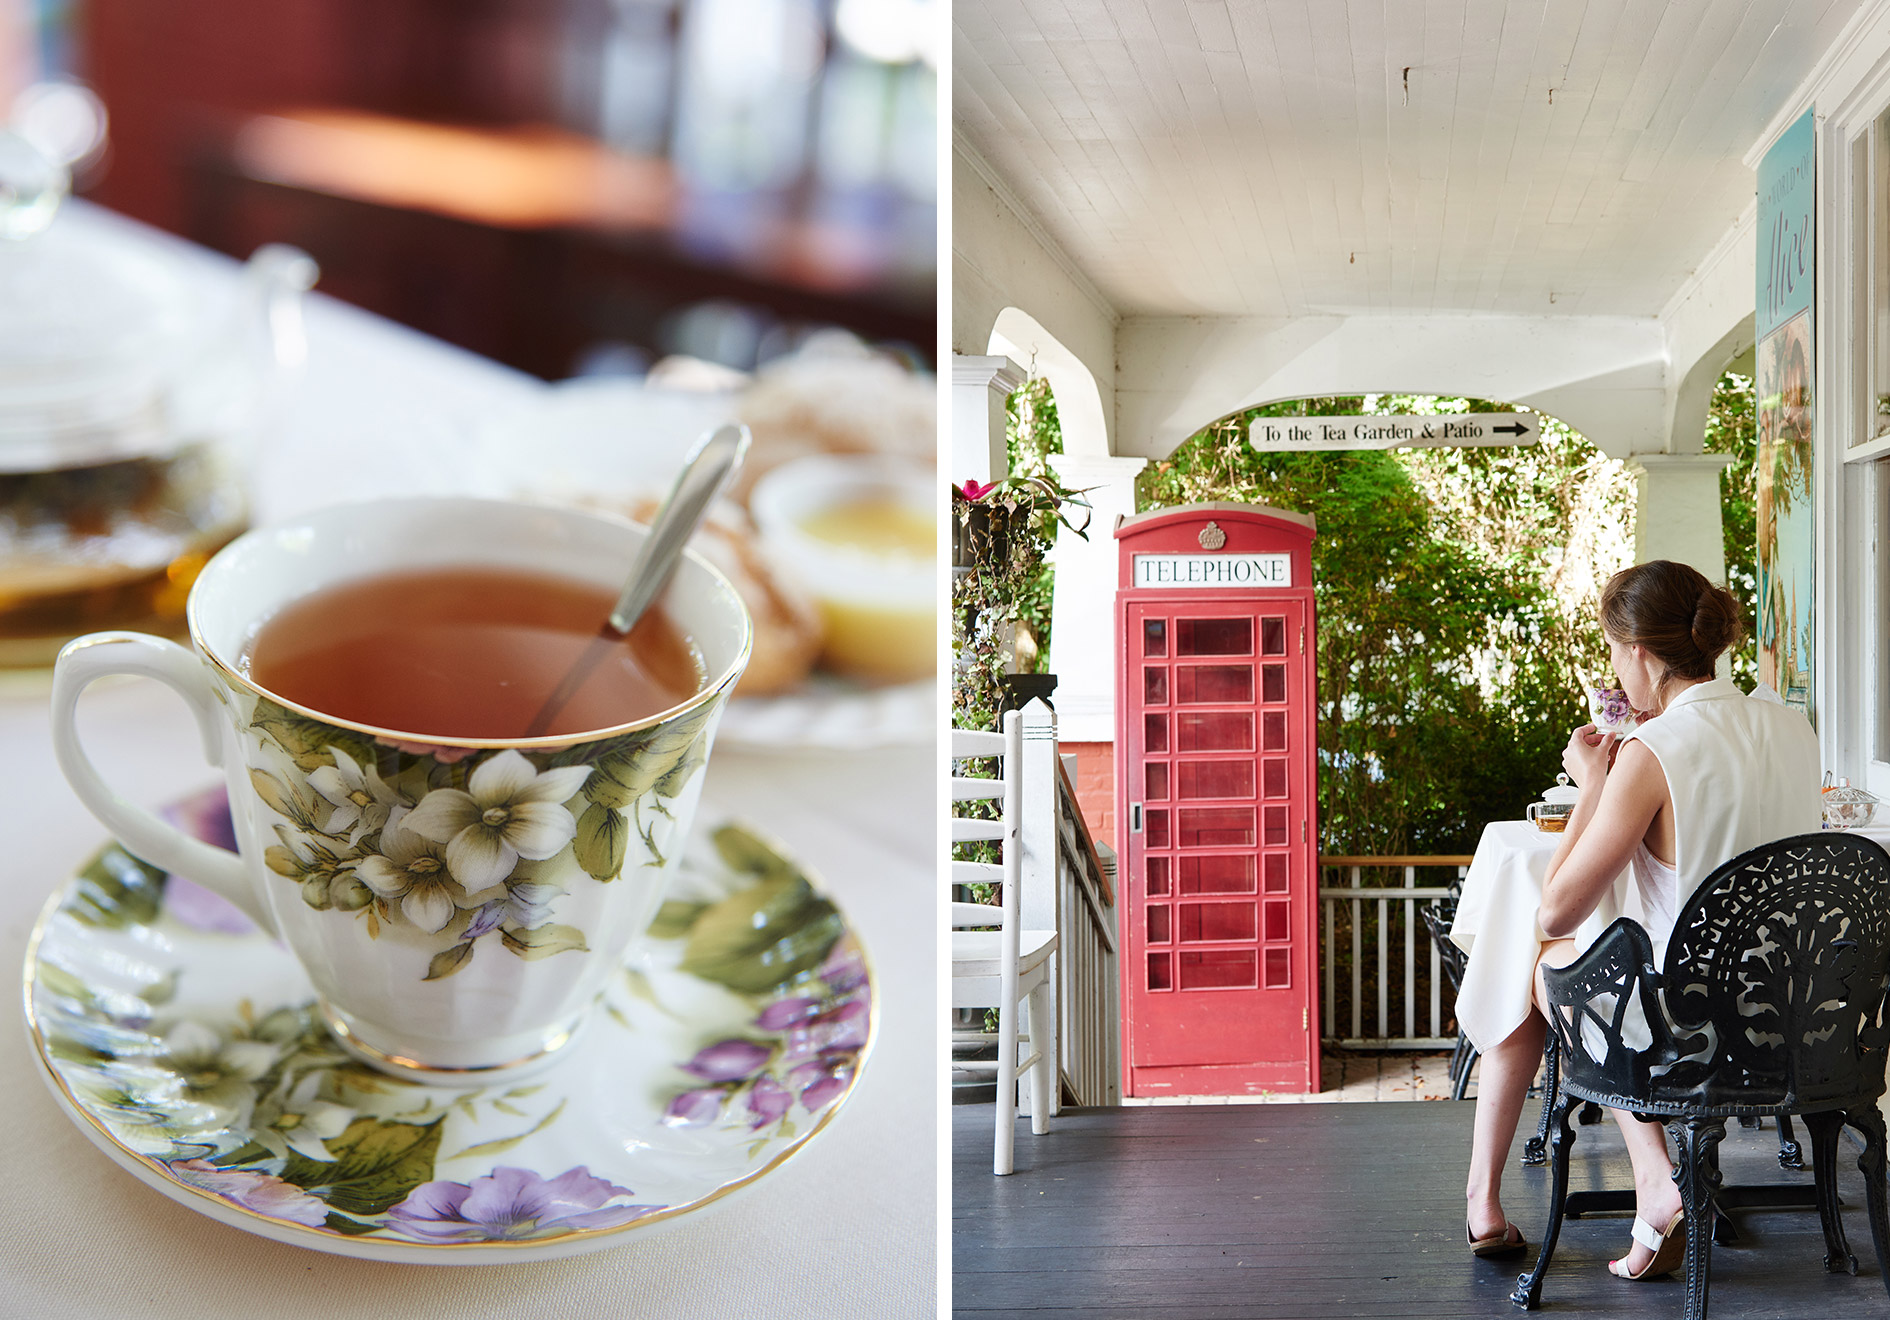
(1770, 1000)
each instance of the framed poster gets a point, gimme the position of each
(1785, 407)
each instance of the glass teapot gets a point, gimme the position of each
(128, 405)
(1558, 803)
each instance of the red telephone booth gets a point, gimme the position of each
(1214, 801)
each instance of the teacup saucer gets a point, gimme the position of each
(187, 1045)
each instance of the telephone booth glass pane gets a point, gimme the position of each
(1273, 637)
(1195, 780)
(1207, 922)
(1158, 971)
(1213, 731)
(1155, 687)
(1276, 920)
(1272, 683)
(1275, 873)
(1279, 969)
(1213, 636)
(1158, 924)
(1276, 827)
(1155, 733)
(1157, 868)
(1218, 827)
(1273, 776)
(1216, 969)
(1216, 874)
(1155, 637)
(1156, 772)
(1273, 731)
(1220, 684)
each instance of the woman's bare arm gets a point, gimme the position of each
(1612, 814)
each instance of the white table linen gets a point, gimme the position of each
(846, 1228)
(1497, 929)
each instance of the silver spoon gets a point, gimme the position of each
(711, 464)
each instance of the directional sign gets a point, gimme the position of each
(1439, 431)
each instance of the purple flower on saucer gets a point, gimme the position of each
(264, 1193)
(513, 1205)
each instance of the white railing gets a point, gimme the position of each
(1070, 882)
(1069, 887)
(1382, 916)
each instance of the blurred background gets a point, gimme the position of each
(567, 186)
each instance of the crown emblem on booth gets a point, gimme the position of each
(1212, 537)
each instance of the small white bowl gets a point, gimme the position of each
(879, 604)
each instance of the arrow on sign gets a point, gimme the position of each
(1515, 429)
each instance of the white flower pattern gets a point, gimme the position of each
(302, 1122)
(410, 869)
(214, 1073)
(360, 798)
(507, 810)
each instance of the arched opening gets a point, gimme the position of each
(1457, 592)
(1083, 426)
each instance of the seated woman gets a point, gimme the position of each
(1708, 773)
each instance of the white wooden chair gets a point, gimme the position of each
(1005, 967)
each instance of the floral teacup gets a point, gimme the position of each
(1610, 711)
(458, 903)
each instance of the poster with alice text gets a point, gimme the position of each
(1785, 406)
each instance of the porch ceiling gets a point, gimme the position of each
(1300, 157)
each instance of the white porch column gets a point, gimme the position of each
(1082, 641)
(980, 387)
(1040, 899)
(1678, 513)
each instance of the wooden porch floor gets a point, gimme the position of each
(1304, 1212)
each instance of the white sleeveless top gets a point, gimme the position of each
(1657, 889)
(1742, 771)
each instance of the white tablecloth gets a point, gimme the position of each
(846, 1228)
(1496, 927)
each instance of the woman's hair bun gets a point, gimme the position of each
(1717, 626)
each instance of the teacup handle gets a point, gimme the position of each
(101, 655)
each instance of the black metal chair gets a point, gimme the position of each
(1771, 1003)
(1438, 915)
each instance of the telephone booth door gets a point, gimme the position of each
(1215, 772)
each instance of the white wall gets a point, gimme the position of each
(1002, 258)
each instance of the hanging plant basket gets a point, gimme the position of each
(981, 533)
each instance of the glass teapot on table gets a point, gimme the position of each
(1558, 803)
(129, 399)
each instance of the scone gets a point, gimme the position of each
(837, 396)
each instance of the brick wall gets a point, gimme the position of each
(1096, 786)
